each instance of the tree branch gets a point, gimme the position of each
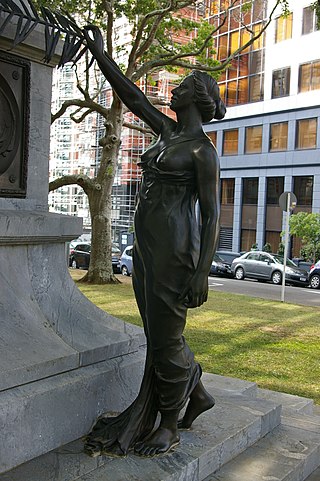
(138, 128)
(173, 6)
(83, 181)
(85, 104)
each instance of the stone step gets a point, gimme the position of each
(289, 402)
(232, 426)
(315, 476)
(290, 453)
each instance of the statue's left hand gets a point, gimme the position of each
(94, 38)
(196, 292)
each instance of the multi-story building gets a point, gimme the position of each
(269, 141)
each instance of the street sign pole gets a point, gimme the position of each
(286, 243)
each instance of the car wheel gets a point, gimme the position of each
(74, 264)
(315, 282)
(276, 277)
(239, 274)
(124, 271)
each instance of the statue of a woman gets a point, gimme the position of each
(171, 258)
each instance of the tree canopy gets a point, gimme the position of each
(306, 226)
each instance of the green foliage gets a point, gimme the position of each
(254, 246)
(281, 249)
(306, 226)
(267, 247)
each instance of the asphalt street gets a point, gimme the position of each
(295, 295)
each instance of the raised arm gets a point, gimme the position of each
(126, 90)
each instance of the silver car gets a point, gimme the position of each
(267, 267)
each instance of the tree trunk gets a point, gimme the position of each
(100, 202)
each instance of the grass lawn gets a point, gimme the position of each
(274, 344)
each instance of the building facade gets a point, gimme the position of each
(269, 141)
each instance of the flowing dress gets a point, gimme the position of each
(165, 256)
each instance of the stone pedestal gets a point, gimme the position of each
(63, 361)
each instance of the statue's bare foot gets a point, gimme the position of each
(160, 442)
(92, 449)
(200, 401)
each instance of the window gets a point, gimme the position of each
(275, 187)
(278, 136)
(283, 27)
(230, 142)
(250, 190)
(281, 82)
(309, 76)
(309, 20)
(306, 137)
(265, 258)
(213, 137)
(253, 139)
(303, 189)
(232, 92)
(248, 238)
(253, 256)
(227, 191)
(256, 87)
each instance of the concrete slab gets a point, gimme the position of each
(286, 454)
(315, 476)
(289, 402)
(217, 436)
(43, 415)
(229, 385)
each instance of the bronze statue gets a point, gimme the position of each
(171, 258)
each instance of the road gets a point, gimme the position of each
(295, 295)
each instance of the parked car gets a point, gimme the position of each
(228, 256)
(268, 267)
(79, 257)
(126, 261)
(314, 276)
(306, 265)
(219, 267)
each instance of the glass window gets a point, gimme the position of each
(243, 91)
(281, 82)
(257, 61)
(258, 43)
(232, 93)
(248, 238)
(306, 134)
(256, 88)
(213, 137)
(283, 27)
(275, 187)
(303, 189)
(279, 136)
(227, 191)
(309, 76)
(223, 47)
(253, 256)
(253, 139)
(230, 142)
(309, 20)
(250, 190)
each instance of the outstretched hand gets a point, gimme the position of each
(93, 38)
(196, 292)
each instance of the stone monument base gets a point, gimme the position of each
(63, 361)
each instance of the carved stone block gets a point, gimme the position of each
(14, 125)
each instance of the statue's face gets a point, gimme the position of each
(183, 95)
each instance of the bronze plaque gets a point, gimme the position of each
(14, 125)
